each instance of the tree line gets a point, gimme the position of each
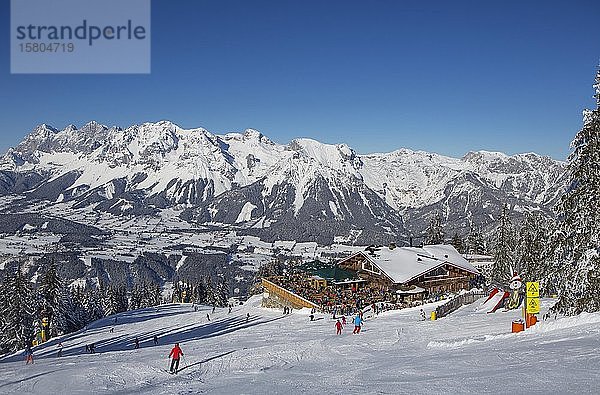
(26, 308)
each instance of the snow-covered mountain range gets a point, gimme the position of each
(304, 191)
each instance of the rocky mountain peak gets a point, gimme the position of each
(245, 179)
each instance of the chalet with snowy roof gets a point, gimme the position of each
(432, 268)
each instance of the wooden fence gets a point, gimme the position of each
(456, 302)
(295, 300)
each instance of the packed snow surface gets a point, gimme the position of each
(396, 353)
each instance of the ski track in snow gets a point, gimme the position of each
(396, 353)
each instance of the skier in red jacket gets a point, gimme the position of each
(338, 328)
(176, 353)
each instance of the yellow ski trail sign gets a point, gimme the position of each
(533, 289)
(533, 305)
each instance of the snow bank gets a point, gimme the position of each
(540, 328)
(464, 342)
(566, 323)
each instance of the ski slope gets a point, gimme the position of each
(396, 353)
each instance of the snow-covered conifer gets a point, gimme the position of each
(534, 249)
(504, 248)
(18, 313)
(579, 214)
(475, 242)
(435, 231)
(53, 301)
(458, 243)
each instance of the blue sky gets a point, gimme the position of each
(442, 76)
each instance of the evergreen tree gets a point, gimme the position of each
(458, 243)
(78, 311)
(201, 292)
(534, 248)
(145, 295)
(156, 295)
(115, 300)
(3, 313)
(504, 248)
(578, 269)
(18, 313)
(221, 294)
(93, 304)
(135, 301)
(435, 232)
(177, 296)
(475, 242)
(270, 269)
(52, 303)
(210, 291)
(67, 318)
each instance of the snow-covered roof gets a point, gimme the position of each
(402, 264)
(448, 253)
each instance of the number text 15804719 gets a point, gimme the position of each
(46, 47)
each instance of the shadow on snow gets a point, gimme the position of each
(75, 343)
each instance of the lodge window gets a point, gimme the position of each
(369, 267)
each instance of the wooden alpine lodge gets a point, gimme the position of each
(399, 275)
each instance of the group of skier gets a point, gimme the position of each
(358, 321)
(176, 353)
(90, 348)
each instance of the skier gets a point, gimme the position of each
(28, 355)
(155, 340)
(344, 320)
(357, 323)
(230, 307)
(207, 317)
(423, 317)
(87, 348)
(112, 329)
(213, 309)
(338, 327)
(60, 348)
(176, 353)
(92, 348)
(247, 317)
(137, 343)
